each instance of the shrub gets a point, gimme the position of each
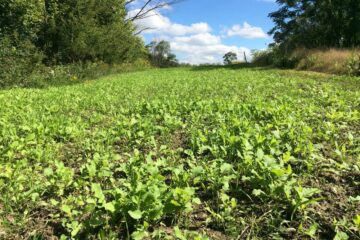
(333, 61)
(353, 65)
(18, 61)
(21, 66)
(307, 63)
(263, 58)
(75, 73)
(274, 57)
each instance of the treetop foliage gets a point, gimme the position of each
(316, 23)
(68, 31)
(161, 55)
(229, 58)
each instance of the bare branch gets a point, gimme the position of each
(148, 9)
(141, 11)
(149, 6)
(142, 30)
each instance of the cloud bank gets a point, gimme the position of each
(196, 43)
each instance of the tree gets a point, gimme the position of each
(229, 58)
(88, 30)
(161, 55)
(22, 18)
(316, 23)
(69, 31)
(172, 60)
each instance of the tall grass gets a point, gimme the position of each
(333, 61)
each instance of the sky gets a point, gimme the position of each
(202, 31)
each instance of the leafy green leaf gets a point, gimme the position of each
(66, 208)
(341, 236)
(96, 188)
(137, 214)
(110, 207)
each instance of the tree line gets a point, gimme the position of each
(316, 24)
(306, 30)
(69, 32)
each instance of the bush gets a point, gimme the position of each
(333, 61)
(307, 63)
(57, 75)
(274, 57)
(21, 66)
(262, 58)
(353, 65)
(18, 61)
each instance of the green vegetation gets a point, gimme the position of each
(71, 31)
(230, 58)
(187, 153)
(318, 35)
(333, 61)
(161, 55)
(316, 24)
(190, 153)
(47, 42)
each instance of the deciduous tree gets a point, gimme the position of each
(229, 58)
(161, 55)
(316, 23)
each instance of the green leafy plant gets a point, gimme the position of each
(353, 65)
(182, 154)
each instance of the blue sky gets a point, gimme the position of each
(201, 31)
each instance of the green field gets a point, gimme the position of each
(193, 153)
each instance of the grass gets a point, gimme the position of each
(333, 61)
(187, 153)
(329, 61)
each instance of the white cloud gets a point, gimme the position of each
(159, 24)
(191, 43)
(206, 51)
(246, 31)
(199, 39)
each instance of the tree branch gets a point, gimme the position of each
(142, 30)
(149, 6)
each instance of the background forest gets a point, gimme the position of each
(64, 41)
(320, 35)
(56, 41)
